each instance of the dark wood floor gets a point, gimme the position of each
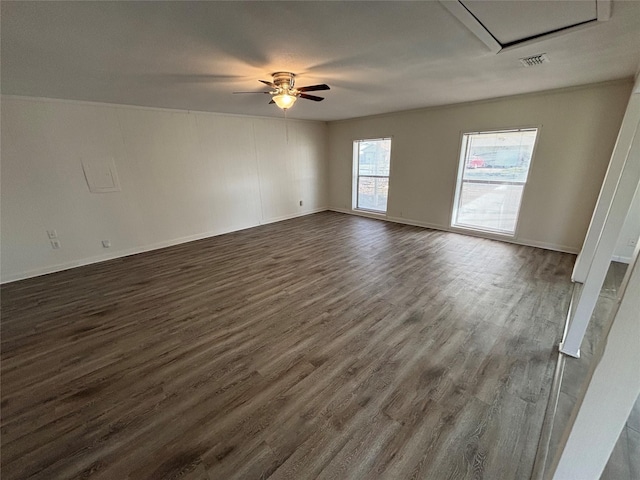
(328, 346)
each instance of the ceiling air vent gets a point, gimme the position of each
(534, 60)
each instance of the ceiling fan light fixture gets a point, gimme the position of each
(284, 95)
(284, 100)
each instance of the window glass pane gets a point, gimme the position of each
(499, 156)
(372, 160)
(489, 206)
(372, 193)
(374, 156)
(495, 166)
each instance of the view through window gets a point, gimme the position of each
(493, 172)
(371, 173)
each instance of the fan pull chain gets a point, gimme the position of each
(286, 126)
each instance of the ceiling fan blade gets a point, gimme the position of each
(250, 92)
(311, 97)
(268, 83)
(314, 88)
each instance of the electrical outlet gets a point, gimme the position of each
(52, 234)
(106, 243)
(55, 244)
(300, 202)
(631, 242)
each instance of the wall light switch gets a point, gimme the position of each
(52, 234)
(55, 244)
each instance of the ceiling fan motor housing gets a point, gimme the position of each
(284, 80)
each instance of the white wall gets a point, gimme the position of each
(183, 175)
(578, 129)
(630, 231)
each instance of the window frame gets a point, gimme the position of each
(355, 161)
(462, 153)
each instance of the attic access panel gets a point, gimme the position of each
(501, 24)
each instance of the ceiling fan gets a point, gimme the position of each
(284, 95)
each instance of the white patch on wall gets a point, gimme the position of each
(101, 175)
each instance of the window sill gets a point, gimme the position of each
(372, 213)
(481, 231)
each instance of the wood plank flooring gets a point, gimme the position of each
(328, 346)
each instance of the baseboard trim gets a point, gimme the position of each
(147, 248)
(294, 215)
(417, 223)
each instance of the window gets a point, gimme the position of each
(491, 178)
(371, 161)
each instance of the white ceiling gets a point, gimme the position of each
(377, 57)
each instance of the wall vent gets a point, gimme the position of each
(534, 60)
